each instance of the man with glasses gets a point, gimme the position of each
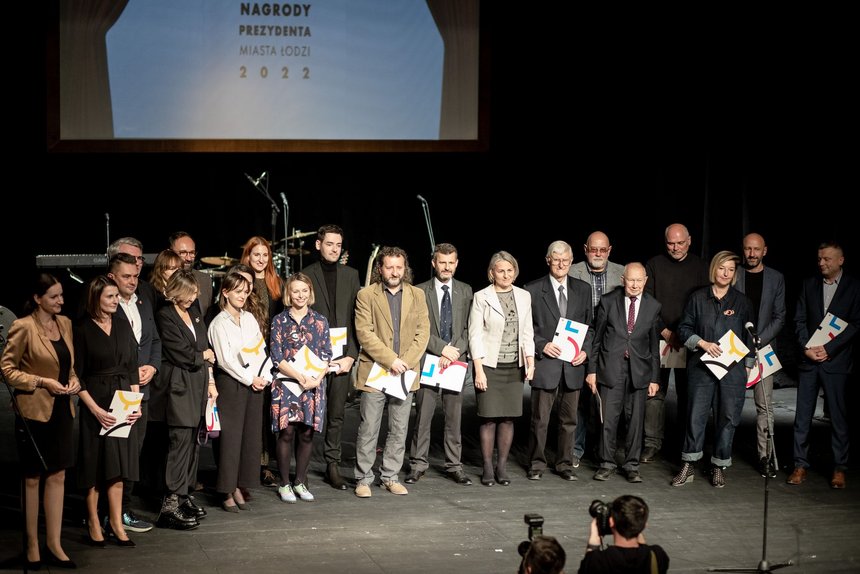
(603, 276)
(555, 296)
(183, 245)
(671, 277)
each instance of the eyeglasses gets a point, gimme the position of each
(562, 262)
(141, 258)
(185, 253)
(596, 250)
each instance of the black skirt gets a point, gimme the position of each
(53, 438)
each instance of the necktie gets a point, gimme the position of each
(446, 316)
(631, 320)
(562, 302)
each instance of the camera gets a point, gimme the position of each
(535, 522)
(601, 511)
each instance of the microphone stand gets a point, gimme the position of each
(264, 189)
(286, 227)
(426, 207)
(107, 232)
(764, 566)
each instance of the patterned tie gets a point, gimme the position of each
(562, 302)
(446, 316)
(631, 320)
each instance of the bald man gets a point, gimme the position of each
(672, 276)
(603, 276)
(765, 288)
(625, 363)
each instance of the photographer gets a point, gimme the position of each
(625, 519)
(544, 556)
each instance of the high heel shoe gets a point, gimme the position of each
(52, 560)
(502, 478)
(92, 541)
(487, 479)
(230, 507)
(127, 543)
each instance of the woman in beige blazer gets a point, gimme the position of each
(38, 362)
(501, 342)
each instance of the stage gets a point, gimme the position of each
(444, 527)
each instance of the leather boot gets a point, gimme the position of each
(171, 516)
(333, 477)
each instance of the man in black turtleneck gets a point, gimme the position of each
(336, 286)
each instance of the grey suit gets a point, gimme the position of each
(204, 296)
(614, 271)
(340, 313)
(770, 319)
(623, 380)
(427, 397)
(550, 373)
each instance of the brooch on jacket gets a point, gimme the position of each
(196, 319)
(729, 312)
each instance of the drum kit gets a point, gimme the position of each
(220, 264)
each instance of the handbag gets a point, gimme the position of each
(210, 425)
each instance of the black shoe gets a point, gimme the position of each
(567, 474)
(766, 468)
(502, 478)
(414, 476)
(189, 508)
(267, 478)
(460, 477)
(603, 473)
(176, 520)
(333, 477)
(52, 560)
(633, 476)
(488, 479)
(534, 475)
(649, 453)
(35, 565)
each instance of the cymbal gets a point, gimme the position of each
(219, 261)
(300, 234)
(297, 251)
(212, 272)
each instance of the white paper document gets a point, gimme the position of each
(766, 365)
(338, 341)
(569, 335)
(450, 378)
(671, 358)
(393, 385)
(123, 404)
(830, 328)
(734, 351)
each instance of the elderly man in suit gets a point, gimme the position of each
(625, 363)
(393, 328)
(829, 365)
(555, 296)
(765, 288)
(449, 302)
(335, 286)
(603, 275)
(139, 313)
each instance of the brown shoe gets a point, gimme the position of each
(798, 476)
(838, 480)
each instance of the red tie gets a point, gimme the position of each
(631, 320)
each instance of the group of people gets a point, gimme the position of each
(166, 339)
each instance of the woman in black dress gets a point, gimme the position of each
(38, 362)
(106, 359)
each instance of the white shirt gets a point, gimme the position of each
(440, 293)
(231, 341)
(133, 315)
(555, 285)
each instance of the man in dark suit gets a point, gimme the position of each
(335, 286)
(765, 288)
(139, 313)
(625, 362)
(555, 296)
(829, 365)
(449, 340)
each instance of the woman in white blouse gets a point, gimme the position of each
(240, 350)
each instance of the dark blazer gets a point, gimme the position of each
(810, 313)
(461, 303)
(545, 316)
(181, 392)
(770, 317)
(204, 295)
(611, 340)
(345, 292)
(149, 348)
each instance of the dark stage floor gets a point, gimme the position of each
(443, 527)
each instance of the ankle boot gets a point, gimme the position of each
(334, 478)
(687, 474)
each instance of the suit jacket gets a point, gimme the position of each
(545, 315)
(149, 347)
(487, 322)
(611, 340)
(375, 330)
(29, 354)
(810, 313)
(204, 295)
(461, 302)
(180, 397)
(345, 293)
(614, 271)
(770, 317)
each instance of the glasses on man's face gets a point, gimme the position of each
(598, 250)
(560, 262)
(187, 253)
(141, 258)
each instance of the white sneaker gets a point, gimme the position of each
(303, 492)
(286, 494)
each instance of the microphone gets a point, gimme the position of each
(262, 176)
(752, 331)
(284, 198)
(251, 179)
(421, 199)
